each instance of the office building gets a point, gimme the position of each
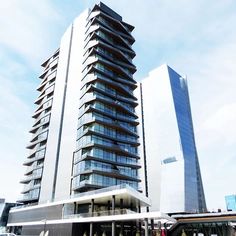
(82, 169)
(171, 153)
(230, 201)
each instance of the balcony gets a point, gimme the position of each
(116, 173)
(29, 187)
(34, 166)
(32, 144)
(104, 186)
(110, 146)
(45, 120)
(27, 198)
(109, 74)
(124, 50)
(27, 179)
(111, 23)
(50, 59)
(124, 161)
(113, 70)
(31, 160)
(38, 132)
(111, 103)
(47, 91)
(93, 42)
(46, 81)
(116, 85)
(117, 116)
(110, 26)
(115, 59)
(109, 122)
(49, 68)
(98, 23)
(119, 138)
(119, 69)
(123, 26)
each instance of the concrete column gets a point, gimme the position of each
(139, 209)
(91, 229)
(75, 209)
(121, 209)
(92, 207)
(113, 224)
(91, 223)
(132, 227)
(113, 228)
(109, 207)
(146, 227)
(131, 206)
(121, 204)
(152, 224)
(113, 202)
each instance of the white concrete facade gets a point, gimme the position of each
(159, 123)
(67, 91)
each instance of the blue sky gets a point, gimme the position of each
(196, 38)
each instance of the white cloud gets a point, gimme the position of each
(14, 122)
(26, 27)
(223, 123)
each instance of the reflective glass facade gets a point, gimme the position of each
(107, 140)
(194, 194)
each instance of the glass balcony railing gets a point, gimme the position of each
(112, 76)
(121, 85)
(30, 177)
(112, 158)
(103, 190)
(39, 139)
(32, 195)
(95, 96)
(108, 170)
(110, 144)
(31, 160)
(110, 56)
(114, 44)
(132, 185)
(114, 29)
(30, 186)
(123, 70)
(116, 115)
(39, 131)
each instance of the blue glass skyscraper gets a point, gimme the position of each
(170, 141)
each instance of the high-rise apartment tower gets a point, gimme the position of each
(84, 133)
